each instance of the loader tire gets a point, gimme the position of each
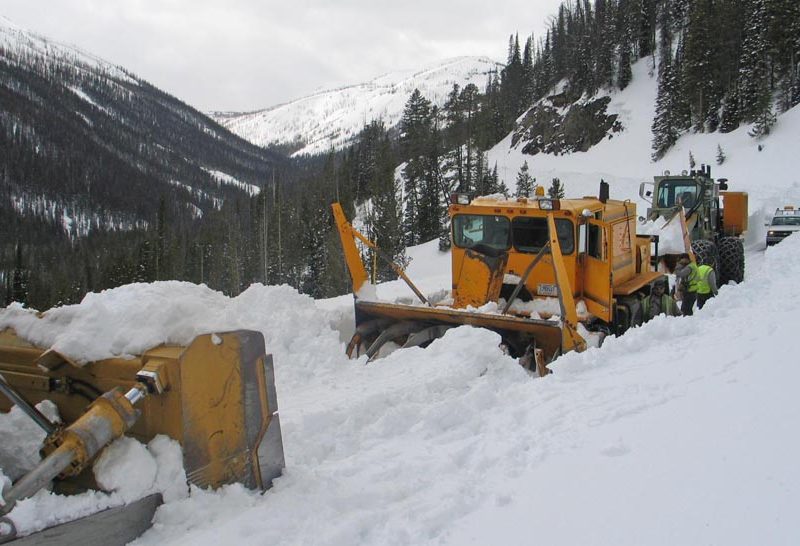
(731, 260)
(705, 252)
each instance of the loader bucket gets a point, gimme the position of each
(217, 399)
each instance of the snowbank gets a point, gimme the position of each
(128, 320)
(679, 432)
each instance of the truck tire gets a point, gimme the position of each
(705, 252)
(731, 260)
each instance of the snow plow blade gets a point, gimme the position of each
(112, 527)
(514, 330)
(215, 396)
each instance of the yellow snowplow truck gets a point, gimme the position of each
(215, 396)
(579, 258)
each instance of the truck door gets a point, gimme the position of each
(596, 269)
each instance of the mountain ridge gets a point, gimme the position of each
(98, 164)
(325, 119)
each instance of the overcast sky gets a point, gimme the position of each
(249, 54)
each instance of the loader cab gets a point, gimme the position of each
(673, 192)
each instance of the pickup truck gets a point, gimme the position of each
(785, 222)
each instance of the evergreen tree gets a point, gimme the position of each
(161, 241)
(754, 84)
(794, 58)
(731, 117)
(624, 73)
(385, 219)
(528, 74)
(525, 183)
(701, 83)
(313, 245)
(646, 27)
(454, 159)
(721, 157)
(682, 114)
(665, 124)
(545, 78)
(762, 125)
(422, 182)
(556, 189)
(604, 45)
(782, 18)
(512, 93)
(413, 138)
(19, 282)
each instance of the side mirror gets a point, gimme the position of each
(646, 193)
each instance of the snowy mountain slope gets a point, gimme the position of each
(770, 175)
(13, 36)
(331, 118)
(90, 144)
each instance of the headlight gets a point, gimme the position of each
(770, 233)
(546, 204)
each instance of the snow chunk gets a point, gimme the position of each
(127, 468)
(367, 292)
(670, 235)
(22, 438)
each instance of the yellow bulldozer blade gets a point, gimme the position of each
(216, 397)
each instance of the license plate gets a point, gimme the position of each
(547, 290)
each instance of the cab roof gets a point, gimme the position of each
(576, 206)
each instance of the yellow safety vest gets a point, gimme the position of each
(701, 284)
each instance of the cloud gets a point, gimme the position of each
(245, 55)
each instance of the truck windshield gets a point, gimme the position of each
(786, 221)
(471, 229)
(530, 234)
(675, 192)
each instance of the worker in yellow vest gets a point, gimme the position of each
(705, 284)
(659, 302)
(699, 283)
